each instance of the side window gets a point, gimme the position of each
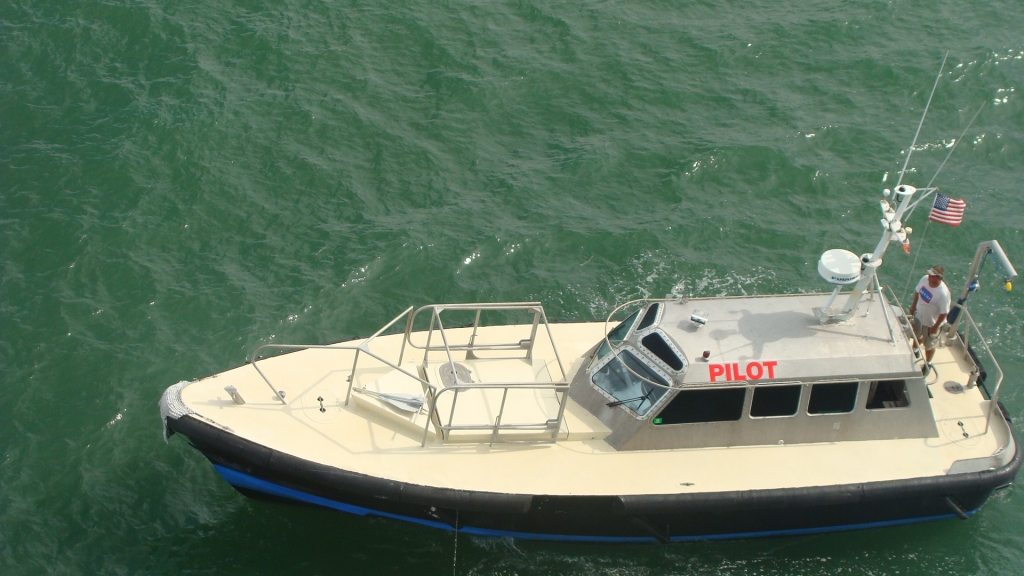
(620, 332)
(616, 336)
(771, 401)
(712, 405)
(660, 348)
(837, 398)
(888, 394)
(650, 317)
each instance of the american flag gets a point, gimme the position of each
(945, 210)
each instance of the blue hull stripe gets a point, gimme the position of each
(242, 480)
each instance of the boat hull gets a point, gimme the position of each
(256, 470)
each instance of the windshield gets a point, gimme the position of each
(617, 335)
(625, 387)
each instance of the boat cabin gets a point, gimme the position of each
(754, 371)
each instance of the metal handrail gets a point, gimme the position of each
(435, 317)
(438, 308)
(616, 351)
(495, 428)
(922, 360)
(361, 347)
(528, 344)
(885, 311)
(432, 391)
(965, 340)
(994, 397)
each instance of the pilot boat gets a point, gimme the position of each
(671, 420)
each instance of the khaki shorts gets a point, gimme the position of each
(923, 336)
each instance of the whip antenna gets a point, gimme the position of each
(916, 134)
(955, 144)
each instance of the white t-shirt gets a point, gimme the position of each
(931, 302)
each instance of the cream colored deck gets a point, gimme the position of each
(368, 440)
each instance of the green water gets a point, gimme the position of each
(181, 181)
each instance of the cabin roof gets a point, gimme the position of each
(755, 332)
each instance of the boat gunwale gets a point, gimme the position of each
(225, 448)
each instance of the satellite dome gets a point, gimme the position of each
(839, 267)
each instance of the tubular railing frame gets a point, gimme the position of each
(885, 312)
(922, 360)
(471, 347)
(362, 347)
(554, 424)
(433, 393)
(966, 341)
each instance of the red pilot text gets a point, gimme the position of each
(752, 371)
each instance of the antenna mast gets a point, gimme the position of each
(892, 226)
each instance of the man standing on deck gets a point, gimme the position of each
(929, 309)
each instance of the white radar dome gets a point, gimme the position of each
(839, 267)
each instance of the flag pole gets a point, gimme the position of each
(910, 275)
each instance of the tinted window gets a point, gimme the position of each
(775, 401)
(888, 394)
(625, 387)
(833, 398)
(656, 344)
(650, 317)
(713, 405)
(620, 332)
(617, 335)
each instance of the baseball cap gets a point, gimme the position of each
(936, 271)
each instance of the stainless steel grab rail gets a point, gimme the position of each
(922, 361)
(885, 311)
(966, 339)
(553, 424)
(471, 347)
(561, 386)
(362, 347)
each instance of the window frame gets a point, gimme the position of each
(608, 339)
(906, 394)
(744, 408)
(856, 398)
(672, 346)
(657, 318)
(799, 400)
(640, 356)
